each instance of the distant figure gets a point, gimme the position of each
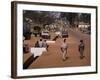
(41, 43)
(81, 49)
(64, 47)
(26, 48)
(37, 44)
(45, 45)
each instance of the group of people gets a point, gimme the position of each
(64, 48)
(42, 43)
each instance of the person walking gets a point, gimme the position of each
(64, 48)
(81, 49)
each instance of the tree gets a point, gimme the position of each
(85, 17)
(71, 17)
(41, 17)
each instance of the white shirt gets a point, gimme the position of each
(64, 45)
(40, 44)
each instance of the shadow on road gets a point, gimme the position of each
(29, 61)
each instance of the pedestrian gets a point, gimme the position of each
(81, 49)
(45, 45)
(26, 48)
(40, 43)
(64, 48)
